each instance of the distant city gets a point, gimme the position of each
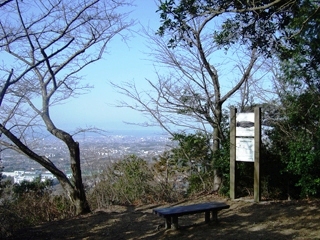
(29, 176)
(96, 151)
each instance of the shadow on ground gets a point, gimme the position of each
(244, 220)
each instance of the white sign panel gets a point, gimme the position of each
(245, 125)
(245, 149)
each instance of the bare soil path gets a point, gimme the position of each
(244, 220)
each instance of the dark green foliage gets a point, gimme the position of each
(193, 151)
(189, 161)
(193, 158)
(36, 186)
(295, 135)
(301, 54)
(296, 140)
(257, 24)
(290, 31)
(271, 27)
(222, 164)
(277, 183)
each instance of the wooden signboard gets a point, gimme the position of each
(245, 142)
(245, 137)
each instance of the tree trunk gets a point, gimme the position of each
(78, 197)
(216, 146)
(74, 188)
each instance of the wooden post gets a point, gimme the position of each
(257, 148)
(233, 123)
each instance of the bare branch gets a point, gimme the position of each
(6, 86)
(244, 78)
(5, 2)
(49, 43)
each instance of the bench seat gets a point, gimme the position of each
(171, 214)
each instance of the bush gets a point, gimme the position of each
(124, 182)
(222, 165)
(295, 139)
(200, 182)
(129, 181)
(31, 203)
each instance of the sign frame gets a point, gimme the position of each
(245, 122)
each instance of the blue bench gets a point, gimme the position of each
(171, 214)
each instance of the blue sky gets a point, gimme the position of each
(121, 63)
(125, 62)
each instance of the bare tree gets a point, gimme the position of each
(5, 2)
(195, 84)
(44, 46)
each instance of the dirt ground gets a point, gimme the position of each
(244, 220)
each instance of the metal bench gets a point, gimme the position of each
(171, 214)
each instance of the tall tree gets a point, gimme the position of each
(295, 132)
(294, 138)
(300, 53)
(199, 78)
(271, 27)
(267, 25)
(253, 22)
(44, 46)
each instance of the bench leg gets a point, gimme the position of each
(171, 222)
(215, 216)
(167, 223)
(175, 223)
(207, 216)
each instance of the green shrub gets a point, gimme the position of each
(36, 186)
(200, 182)
(222, 165)
(295, 139)
(124, 182)
(129, 181)
(31, 203)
